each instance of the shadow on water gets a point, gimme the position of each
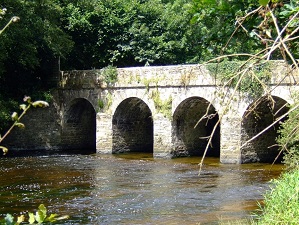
(133, 188)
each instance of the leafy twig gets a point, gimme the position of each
(17, 118)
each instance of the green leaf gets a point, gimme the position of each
(52, 218)
(263, 2)
(20, 219)
(9, 219)
(14, 116)
(20, 125)
(23, 106)
(43, 209)
(42, 104)
(41, 214)
(4, 149)
(31, 219)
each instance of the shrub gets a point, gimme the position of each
(282, 201)
(288, 138)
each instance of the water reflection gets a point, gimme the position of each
(132, 188)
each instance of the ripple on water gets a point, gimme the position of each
(132, 189)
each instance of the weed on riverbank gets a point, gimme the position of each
(282, 201)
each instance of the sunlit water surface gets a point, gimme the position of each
(133, 189)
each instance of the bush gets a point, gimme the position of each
(288, 138)
(282, 201)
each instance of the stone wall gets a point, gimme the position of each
(57, 128)
(42, 132)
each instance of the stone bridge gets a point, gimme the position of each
(155, 110)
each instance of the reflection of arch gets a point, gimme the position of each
(188, 140)
(79, 128)
(132, 126)
(256, 118)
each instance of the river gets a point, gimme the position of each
(133, 188)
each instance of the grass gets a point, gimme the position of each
(282, 201)
(237, 222)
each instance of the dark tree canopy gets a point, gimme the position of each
(97, 33)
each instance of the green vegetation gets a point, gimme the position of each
(162, 106)
(281, 202)
(151, 81)
(109, 75)
(73, 34)
(39, 217)
(276, 27)
(96, 33)
(100, 104)
(5, 114)
(254, 77)
(288, 138)
(17, 118)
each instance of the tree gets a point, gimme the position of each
(125, 33)
(218, 33)
(28, 50)
(31, 45)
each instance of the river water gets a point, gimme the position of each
(133, 188)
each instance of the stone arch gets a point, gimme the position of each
(132, 127)
(119, 96)
(257, 117)
(190, 141)
(79, 127)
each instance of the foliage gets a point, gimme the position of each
(125, 33)
(162, 106)
(288, 138)
(109, 75)
(12, 20)
(6, 105)
(247, 26)
(281, 202)
(39, 217)
(100, 104)
(17, 119)
(217, 22)
(30, 48)
(94, 34)
(269, 25)
(254, 77)
(275, 30)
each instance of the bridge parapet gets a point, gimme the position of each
(79, 79)
(163, 76)
(182, 75)
(281, 73)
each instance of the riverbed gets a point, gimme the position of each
(133, 188)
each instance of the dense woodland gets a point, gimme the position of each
(90, 34)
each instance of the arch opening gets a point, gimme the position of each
(257, 117)
(79, 127)
(132, 126)
(190, 141)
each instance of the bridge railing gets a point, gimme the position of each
(152, 76)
